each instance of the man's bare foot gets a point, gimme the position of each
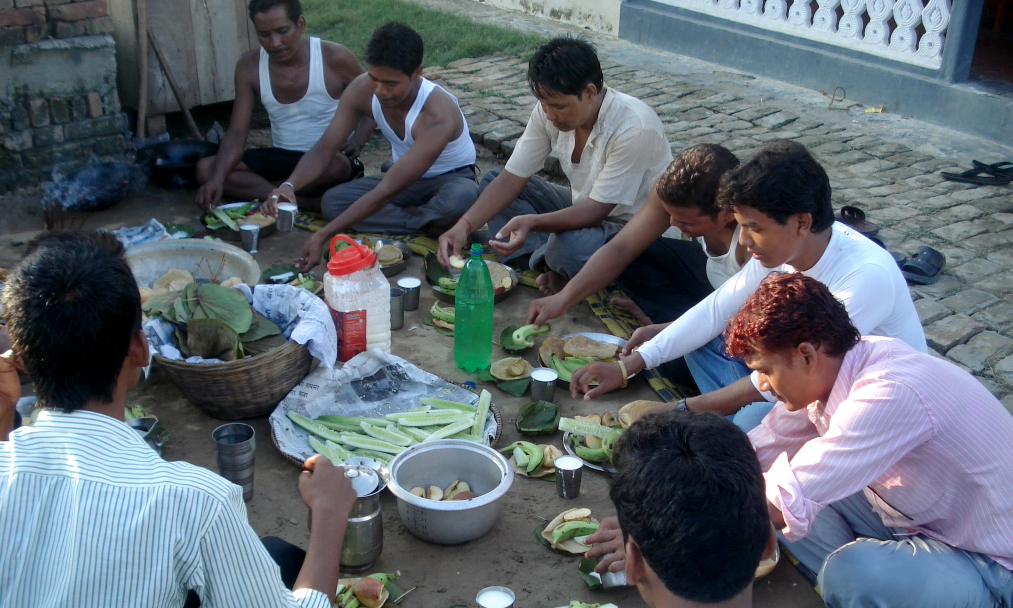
(550, 283)
(624, 303)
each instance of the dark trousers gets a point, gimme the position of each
(288, 557)
(667, 279)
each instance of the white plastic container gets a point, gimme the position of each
(359, 298)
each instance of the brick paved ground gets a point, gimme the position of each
(968, 314)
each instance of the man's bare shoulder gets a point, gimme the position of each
(336, 52)
(248, 66)
(441, 112)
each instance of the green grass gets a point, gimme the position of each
(447, 36)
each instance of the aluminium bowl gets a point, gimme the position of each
(439, 463)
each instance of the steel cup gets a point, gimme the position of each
(495, 597)
(396, 308)
(411, 286)
(250, 236)
(543, 383)
(286, 216)
(236, 446)
(568, 470)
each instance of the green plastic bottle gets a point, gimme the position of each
(473, 314)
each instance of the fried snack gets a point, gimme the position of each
(511, 368)
(582, 346)
(390, 254)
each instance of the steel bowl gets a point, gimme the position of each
(439, 463)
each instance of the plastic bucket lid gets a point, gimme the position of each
(354, 257)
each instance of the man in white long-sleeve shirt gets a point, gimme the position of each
(781, 200)
(92, 516)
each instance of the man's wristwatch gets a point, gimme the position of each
(680, 405)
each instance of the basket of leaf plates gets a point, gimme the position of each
(256, 365)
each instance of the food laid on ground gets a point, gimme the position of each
(568, 530)
(371, 591)
(516, 339)
(532, 460)
(589, 438)
(232, 214)
(511, 368)
(568, 353)
(443, 316)
(457, 490)
(210, 320)
(342, 437)
(444, 280)
(537, 418)
(635, 410)
(577, 604)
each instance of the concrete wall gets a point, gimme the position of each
(598, 15)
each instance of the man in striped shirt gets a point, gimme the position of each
(89, 514)
(888, 470)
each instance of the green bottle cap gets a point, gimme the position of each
(476, 250)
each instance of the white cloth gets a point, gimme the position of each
(92, 516)
(298, 125)
(625, 153)
(860, 273)
(458, 153)
(720, 268)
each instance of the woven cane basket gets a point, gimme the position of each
(246, 388)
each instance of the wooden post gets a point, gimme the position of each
(142, 50)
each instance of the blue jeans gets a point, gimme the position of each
(712, 369)
(886, 567)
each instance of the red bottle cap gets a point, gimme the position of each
(354, 257)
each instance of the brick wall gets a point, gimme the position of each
(58, 101)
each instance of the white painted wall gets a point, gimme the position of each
(598, 15)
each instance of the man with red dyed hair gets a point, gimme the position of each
(888, 470)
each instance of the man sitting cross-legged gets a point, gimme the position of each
(610, 146)
(432, 180)
(299, 81)
(688, 492)
(888, 470)
(90, 515)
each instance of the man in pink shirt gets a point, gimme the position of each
(888, 471)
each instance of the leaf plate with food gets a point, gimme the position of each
(444, 280)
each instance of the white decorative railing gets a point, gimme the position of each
(902, 30)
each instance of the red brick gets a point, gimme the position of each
(100, 25)
(19, 17)
(35, 33)
(78, 10)
(94, 105)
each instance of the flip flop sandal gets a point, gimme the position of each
(855, 218)
(924, 267)
(981, 175)
(898, 257)
(1001, 169)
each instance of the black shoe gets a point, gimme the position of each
(358, 169)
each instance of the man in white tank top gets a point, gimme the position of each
(299, 81)
(432, 180)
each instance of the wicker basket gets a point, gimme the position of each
(246, 388)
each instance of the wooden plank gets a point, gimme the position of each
(216, 49)
(125, 34)
(171, 21)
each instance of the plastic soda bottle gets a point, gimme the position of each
(473, 314)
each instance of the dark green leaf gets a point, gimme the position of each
(435, 270)
(485, 375)
(264, 344)
(586, 567)
(212, 338)
(538, 418)
(216, 302)
(506, 340)
(260, 328)
(514, 387)
(428, 320)
(181, 340)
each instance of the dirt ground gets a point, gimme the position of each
(444, 575)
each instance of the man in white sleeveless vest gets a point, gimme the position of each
(610, 146)
(299, 81)
(432, 180)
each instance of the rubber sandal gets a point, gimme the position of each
(924, 267)
(855, 218)
(898, 257)
(358, 169)
(1004, 168)
(981, 175)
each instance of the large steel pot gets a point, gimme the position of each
(439, 463)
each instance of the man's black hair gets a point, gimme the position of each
(564, 66)
(689, 491)
(395, 45)
(780, 180)
(692, 178)
(292, 8)
(71, 307)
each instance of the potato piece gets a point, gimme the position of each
(418, 491)
(550, 454)
(464, 496)
(592, 441)
(434, 493)
(448, 493)
(456, 261)
(174, 275)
